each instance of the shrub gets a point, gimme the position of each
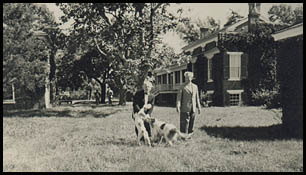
(78, 95)
(204, 99)
(268, 98)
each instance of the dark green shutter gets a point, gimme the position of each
(205, 70)
(226, 99)
(226, 66)
(189, 67)
(244, 66)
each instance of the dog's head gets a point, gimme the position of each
(141, 112)
(150, 120)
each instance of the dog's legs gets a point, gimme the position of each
(168, 141)
(138, 138)
(146, 138)
(148, 141)
(161, 139)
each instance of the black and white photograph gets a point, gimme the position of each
(152, 87)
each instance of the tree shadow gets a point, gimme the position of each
(55, 113)
(36, 113)
(119, 142)
(273, 132)
(123, 141)
(96, 114)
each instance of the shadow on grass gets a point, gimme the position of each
(273, 132)
(122, 142)
(55, 113)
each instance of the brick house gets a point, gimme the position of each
(217, 73)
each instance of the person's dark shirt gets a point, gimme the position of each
(138, 101)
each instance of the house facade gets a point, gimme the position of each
(219, 74)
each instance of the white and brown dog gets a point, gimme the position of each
(142, 132)
(160, 130)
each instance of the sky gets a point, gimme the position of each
(219, 11)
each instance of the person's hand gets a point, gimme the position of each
(147, 106)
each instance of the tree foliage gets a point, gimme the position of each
(189, 30)
(233, 18)
(124, 34)
(285, 14)
(24, 56)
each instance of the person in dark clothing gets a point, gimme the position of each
(141, 99)
(97, 96)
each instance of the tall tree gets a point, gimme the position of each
(123, 33)
(285, 14)
(24, 56)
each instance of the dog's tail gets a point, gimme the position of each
(174, 131)
(182, 135)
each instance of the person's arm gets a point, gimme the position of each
(151, 101)
(198, 100)
(135, 103)
(146, 98)
(178, 100)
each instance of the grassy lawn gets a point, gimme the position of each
(102, 138)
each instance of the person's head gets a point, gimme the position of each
(150, 77)
(147, 86)
(188, 76)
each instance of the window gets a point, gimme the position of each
(234, 99)
(194, 70)
(159, 79)
(209, 69)
(235, 65)
(170, 78)
(183, 72)
(7, 91)
(209, 96)
(164, 79)
(177, 77)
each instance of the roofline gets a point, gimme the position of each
(170, 67)
(288, 28)
(293, 31)
(210, 36)
(221, 30)
(202, 39)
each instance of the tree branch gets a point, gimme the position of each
(157, 6)
(99, 49)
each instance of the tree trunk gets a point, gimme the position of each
(103, 92)
(36, 103)
(47, 86)
(89, 94)
(122, 96)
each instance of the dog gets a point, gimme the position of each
(142, 132)
(160, 130)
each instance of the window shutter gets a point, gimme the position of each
(205, 70)
(213, 67)
(244, 66)
(226, 99)
(226, 66)
(216, 67)
(189, 67)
